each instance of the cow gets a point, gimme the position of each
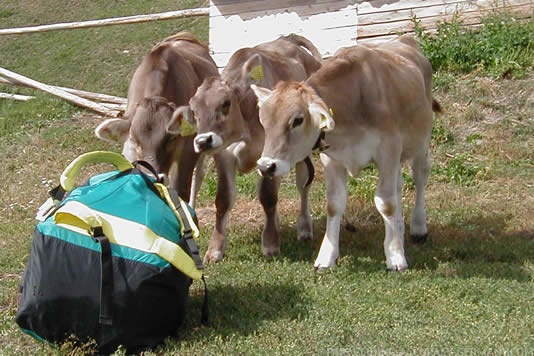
(370, 103)
(225, 113)
(166, 78)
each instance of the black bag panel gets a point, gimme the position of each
(41, 309)
(149, 302)
(144, 316)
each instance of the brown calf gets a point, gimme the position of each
(167, 77)
(368, 103)
(225, 113)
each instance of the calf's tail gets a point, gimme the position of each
(436, 107)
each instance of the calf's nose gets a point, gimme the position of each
(203, 142)
(266, 167)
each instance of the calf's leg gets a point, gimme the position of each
(268, 195)
(420, 171)
(336, 201)
(196, 182)
(304, 222)
(225, 164)
(387, 201)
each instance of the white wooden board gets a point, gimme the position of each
(331, 24)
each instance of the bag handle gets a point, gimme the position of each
(69, 177)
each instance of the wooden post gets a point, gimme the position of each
(60, 93)
(105, 98)
(16, 97)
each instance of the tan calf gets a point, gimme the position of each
(368, 103)
(225, 113)
(166, 78)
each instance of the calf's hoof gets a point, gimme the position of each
(271, 251)
(396, 262)
(322, 269)
(305, 236)
(324, 265)
(419, 239)
(397, 268)
(213, 256)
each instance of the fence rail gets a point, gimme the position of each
(103, 104)
(108, 22)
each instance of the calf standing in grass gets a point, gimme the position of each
(166, 78)
(368, 103)
(225, 113)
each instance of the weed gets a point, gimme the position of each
(441, 134)
(364, 185)
(501, 47)
(460, 169)
(473, 113)
(473, 138)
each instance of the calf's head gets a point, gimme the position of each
(215, 112)
(150, 134)
(293, 116)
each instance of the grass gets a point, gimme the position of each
(469, 289)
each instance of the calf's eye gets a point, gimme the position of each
(297, 121)
(225, 107)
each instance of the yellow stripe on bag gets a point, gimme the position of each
(126, 233)
(165, 192)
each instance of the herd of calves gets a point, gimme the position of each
(269, 109)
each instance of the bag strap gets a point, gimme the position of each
(106, 277)
(189, 231)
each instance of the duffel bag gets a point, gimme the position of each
(111, 261)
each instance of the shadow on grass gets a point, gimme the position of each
(241, 309)
(476, 247)
(479, 246)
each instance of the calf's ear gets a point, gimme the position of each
(319, 112)
(113, 130)
(182, 122)
(253, 69)
(261, 93)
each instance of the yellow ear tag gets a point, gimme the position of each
(187, 129)
(256, 73)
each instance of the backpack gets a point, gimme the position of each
(110, 261)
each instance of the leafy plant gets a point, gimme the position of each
(502, 46)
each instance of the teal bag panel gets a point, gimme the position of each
(127, 196)
(50, 229)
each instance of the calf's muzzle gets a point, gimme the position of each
(266, 167)
(203, 142)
